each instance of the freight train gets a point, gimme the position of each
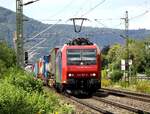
(73, 68)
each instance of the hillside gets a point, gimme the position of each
(60, 33)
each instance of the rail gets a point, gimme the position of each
(91, 106)
(133, 109)
(129, 94)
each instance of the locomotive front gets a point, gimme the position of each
(82, 68)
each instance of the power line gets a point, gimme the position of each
(108, 27)
(105, 26)
(81, 7)
(44, 30)
(64, 8)
(140, 15)
(91, 9)
(108, 19)
(50, 19)
(43, 40)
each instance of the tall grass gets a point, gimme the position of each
(143, 86)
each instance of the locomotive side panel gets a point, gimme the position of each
(64, 65)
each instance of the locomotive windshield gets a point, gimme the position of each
(81, 56)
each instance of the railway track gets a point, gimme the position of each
(126, 107)
(95, 108)
(133, 95)
(110, 103)
(77, 101)
(92, 104)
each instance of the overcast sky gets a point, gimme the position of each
(108, 12)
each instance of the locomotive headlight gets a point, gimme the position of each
(94, 74)
(69, 75)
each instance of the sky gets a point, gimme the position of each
(101, 13)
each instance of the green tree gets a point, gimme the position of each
(7, 58)
(147, 56)
(137, 54)
(7, 55)
(104, 56)
(114, 53)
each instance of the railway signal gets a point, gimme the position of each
(26, 58)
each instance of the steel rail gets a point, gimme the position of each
(129, 108)
(133, 95)
(91, 106)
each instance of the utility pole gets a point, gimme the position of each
(19, 29)
(126, 19)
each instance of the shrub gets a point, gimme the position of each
(106, 82)
(12, 100)
(116, 75)
(23, 80)
(104, 74)
(7, 55)
(3, 68)
(20, 94)
(147, 72)
(143, 86)
(17, 101)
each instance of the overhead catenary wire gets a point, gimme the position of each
(50, 20)
(64, 8)
(105, 26)
(108, 27)
(81, 7)
(91, 9)
(107, 19)
(44, 30)
(43, 40)
(140, 15)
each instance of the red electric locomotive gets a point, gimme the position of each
(78, 67)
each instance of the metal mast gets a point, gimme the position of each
(19, 30)
(126, 19)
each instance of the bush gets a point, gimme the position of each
(106, 82)
(17, 101)
(3, 68)
(7, 58)
(116, 75)
(23, 80)
(7, 55)
(21, 94)
(12, 100)
(104, 74)
(147, 72)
